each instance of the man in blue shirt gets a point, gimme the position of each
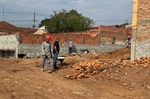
(56, 52)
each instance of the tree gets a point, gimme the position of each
(64, 21)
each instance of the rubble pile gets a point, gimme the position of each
(83, 69)
(143, 61)
(91, 67)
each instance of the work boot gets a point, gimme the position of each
(42, 69)
(55, 68)
(49, 71)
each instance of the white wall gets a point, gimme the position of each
(9, 42)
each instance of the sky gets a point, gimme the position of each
(103, 12)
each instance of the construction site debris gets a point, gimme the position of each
(92, 67)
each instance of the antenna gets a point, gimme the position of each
(3, 14)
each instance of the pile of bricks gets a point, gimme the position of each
(143, 61)
(91, 67)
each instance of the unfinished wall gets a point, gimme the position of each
(31, 50)
(143, 29)
(91, 48)
(10, 47)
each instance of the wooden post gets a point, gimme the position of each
(82, 38)
(17, 50)
(17, 47)
(134, 29)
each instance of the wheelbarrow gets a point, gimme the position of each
(84, 50)
(61, 59)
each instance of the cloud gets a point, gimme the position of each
(104, 12)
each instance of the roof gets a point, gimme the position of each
(28, 30)
(7, 27)
(40, 32)
(42, 28)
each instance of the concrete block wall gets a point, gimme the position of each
(96, 48)
(143, 29)
(143, 49)
(9, 47)
(31, 50)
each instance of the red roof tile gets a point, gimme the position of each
(4, 26)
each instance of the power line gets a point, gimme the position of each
(15, 13)
(18, 20)
(34, 19)
(42, 15)
(25, 13)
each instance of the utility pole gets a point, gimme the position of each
(3, 14)
(33, 20)
(0, 10)
(134, 29)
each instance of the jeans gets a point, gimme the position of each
(70, 50)
(55, 60)
(47, 59)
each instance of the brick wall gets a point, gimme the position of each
(143, 29)
(87, 37)
(143, 20)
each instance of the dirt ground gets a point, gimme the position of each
(23, 79)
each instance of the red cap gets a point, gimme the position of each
(48, 38)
